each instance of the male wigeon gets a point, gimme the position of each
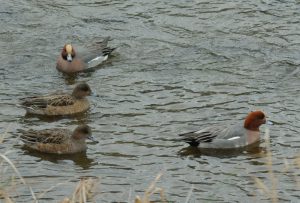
(69, 61)
(59, 104)
(58, 141)
(228, 137)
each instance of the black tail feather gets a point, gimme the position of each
(190, 139)
(107, 51)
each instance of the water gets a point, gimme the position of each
(179, 66)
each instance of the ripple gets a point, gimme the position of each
(178, 66)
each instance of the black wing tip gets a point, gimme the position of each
(108, 50)
(189, 138)
(193, 143)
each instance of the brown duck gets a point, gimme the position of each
(59, 104)
(71, 61)
(58, 141)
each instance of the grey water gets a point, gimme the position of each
(179, 66)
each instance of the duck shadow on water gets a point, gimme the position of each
(221, 153)
(80, 159)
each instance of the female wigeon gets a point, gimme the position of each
(58, 141)
(228, 137)
(59, 104)
(69, 61)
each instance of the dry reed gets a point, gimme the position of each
(272, 191)
(150, 191)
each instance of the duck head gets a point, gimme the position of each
(254, 120)
(81, 90)
(83, 132)
(68, 52)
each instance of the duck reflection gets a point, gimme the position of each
(80, 159)
(253, 150)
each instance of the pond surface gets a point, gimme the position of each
(179, 66)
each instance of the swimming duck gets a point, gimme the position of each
(59, 104)
(228, 137)
(69, 61)
(58, 141)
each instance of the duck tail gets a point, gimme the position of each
(23, 102)
(31, 102)
(103, 44)
(107, 51)
(190, 138)
(26, 137)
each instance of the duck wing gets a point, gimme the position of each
(48, 136)
(205, 135)
(51, 100)
(96, 52)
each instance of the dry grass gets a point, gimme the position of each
(4, 135)
(150, 191)
(84, 191)
(3, 192)
(272, 190)
(9, 182)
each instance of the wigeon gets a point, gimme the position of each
(58, 141)
(69, 61)
(59, 104)
(228, 137)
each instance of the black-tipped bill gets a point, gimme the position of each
(69, 58)
(90, 137)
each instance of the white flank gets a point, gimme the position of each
(96, 61)
(99, 59)
(234, 138)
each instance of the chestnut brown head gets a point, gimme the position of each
(254, 120)
(68, 53)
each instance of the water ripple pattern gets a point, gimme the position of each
(179, 66)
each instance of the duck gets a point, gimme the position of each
(58, 141)
(61, 104)
(70, 61)
(225, 136)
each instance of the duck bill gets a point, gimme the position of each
(268, 122)
(92, 139)
(69, 58)
(93, 94)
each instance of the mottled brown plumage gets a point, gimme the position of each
(57, 141)
(59, 104)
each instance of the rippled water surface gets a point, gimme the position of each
(179, 66)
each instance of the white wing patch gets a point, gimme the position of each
(99, 59)
(234, 138)
(96, 61)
